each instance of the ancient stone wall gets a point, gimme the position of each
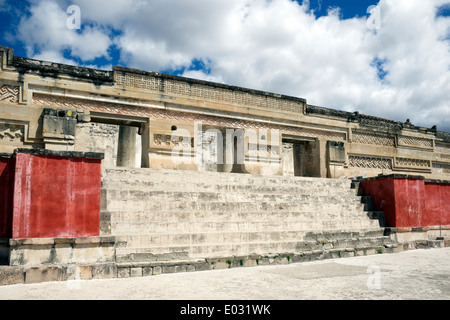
(173, 114)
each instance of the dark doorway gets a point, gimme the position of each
(300, 157)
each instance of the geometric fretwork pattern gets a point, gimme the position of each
(171, 141)
(372, 138)
(206, 92)
(9, 93)
(369, 162)
(415, 142)
(11, 132)
(105, 107)
(407, 162)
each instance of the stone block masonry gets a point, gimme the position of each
(60, 251)
(71, 273)
(51, 105)
(175, 216)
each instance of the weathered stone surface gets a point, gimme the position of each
(231, 214)
(37, 251)
(165, 219)
(366, 145)
(104, 271)
(44, 274)
(9, 276)
(71, 154)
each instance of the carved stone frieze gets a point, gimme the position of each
(369, 162)
(408, 162)
(207, 92)
(97, 106)
(415, 142)
(11, 133)
(170, 141)
(9, 93)
(373, 138)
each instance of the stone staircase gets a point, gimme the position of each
(170, 215)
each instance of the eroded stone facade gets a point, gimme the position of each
(197, 125)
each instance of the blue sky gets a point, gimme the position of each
(20, 8)
(349, 9)
(321, 50)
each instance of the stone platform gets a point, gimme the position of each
(10, 275)
(164, 221)
(164, 215)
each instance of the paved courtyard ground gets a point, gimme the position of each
(416, 274)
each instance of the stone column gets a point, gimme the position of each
(126, 153)
(323, 171)
(288, 159)
(145, 139)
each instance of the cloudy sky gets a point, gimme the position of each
(387, 58)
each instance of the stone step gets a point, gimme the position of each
(208, 251)
(136, 227)
(124, 195)
(180, 176)
(221, 217)
(251, 215)
(368, 203)
(203, 251)
(197, 237)
(179, 215)
(379, 216)
(343, 234)
(161, 205)
(223, 187)
(223, 207)
(137, 221)
(224, 179)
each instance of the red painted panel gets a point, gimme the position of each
(433, 196)
(56, 197)
(445, 204)
(438, 203)
(409, 202)
(383, 197)
(7, 166)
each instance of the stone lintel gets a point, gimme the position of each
(69, 154)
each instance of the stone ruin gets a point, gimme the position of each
(131, 173)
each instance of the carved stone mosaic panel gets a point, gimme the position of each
(415, 142)
(11, 133)
(369, 162)
(407, 162)
(170, 141)
(373, 138)
(9, 93)
(206, 92)
(96, 106)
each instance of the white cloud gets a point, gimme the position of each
(3, 5)
(46, 35)
(53, 56)
(277, 45)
